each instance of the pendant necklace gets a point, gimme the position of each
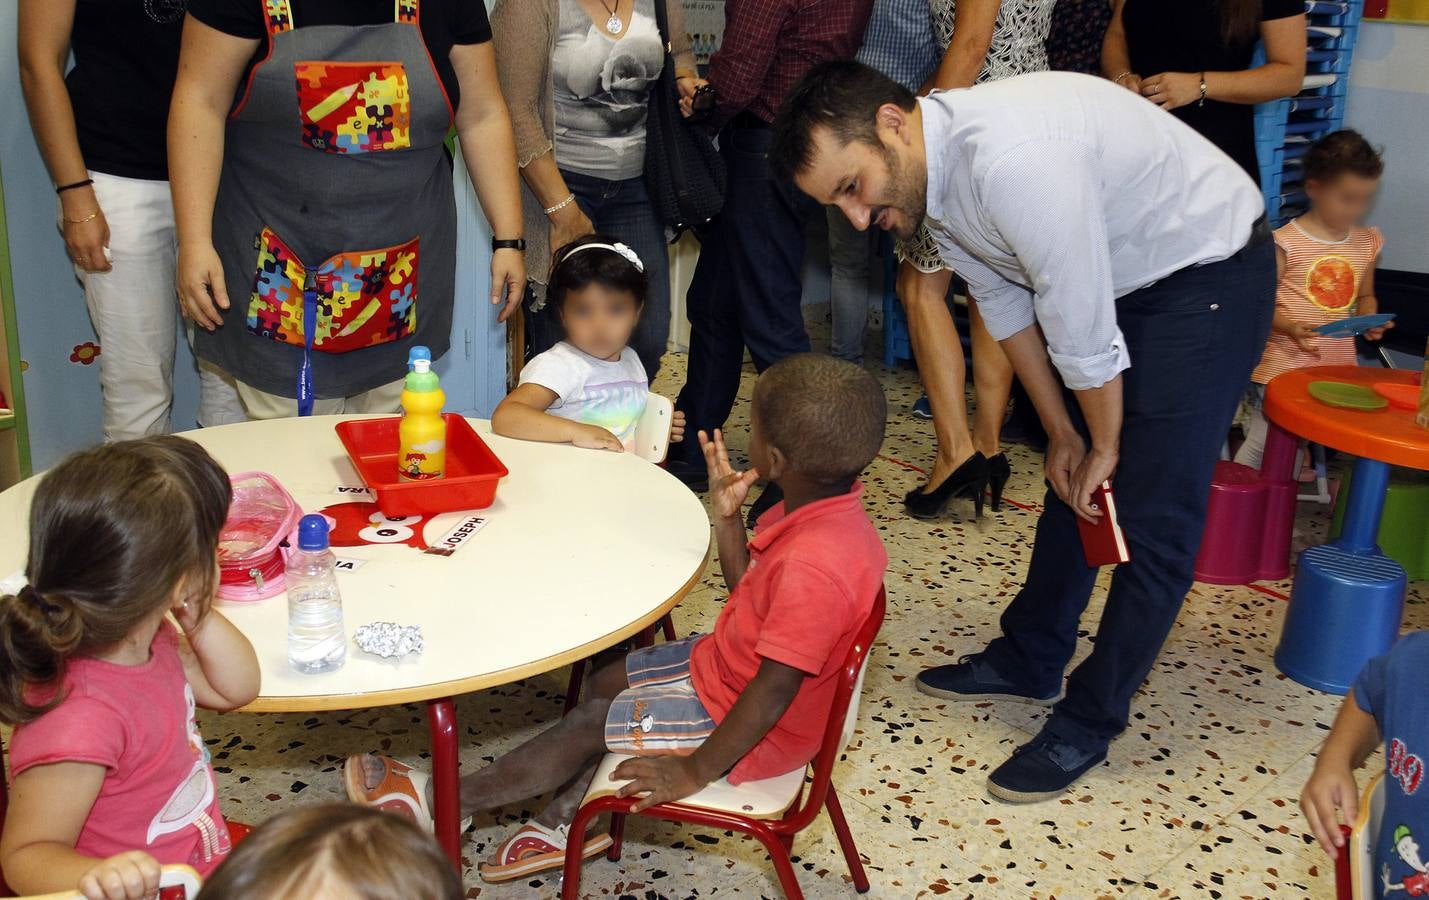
(613, 24)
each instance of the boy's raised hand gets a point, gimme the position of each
(728, 488)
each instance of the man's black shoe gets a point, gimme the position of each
(1042, 769)
(973, 678)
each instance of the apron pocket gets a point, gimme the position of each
(354, 107)
(362, 297)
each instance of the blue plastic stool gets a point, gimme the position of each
(1344, 611)
(1348, 597)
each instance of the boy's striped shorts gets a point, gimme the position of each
(659, 714)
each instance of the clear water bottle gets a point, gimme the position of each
(316, 640)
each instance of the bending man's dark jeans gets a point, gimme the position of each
(746, 288)
(1194, 338)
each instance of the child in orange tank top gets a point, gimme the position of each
(1326, 265)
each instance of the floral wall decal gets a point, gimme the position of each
(85, 353)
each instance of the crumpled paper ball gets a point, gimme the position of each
(388, 639)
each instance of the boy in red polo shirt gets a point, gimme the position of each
(750, 699)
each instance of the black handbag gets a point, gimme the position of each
(684, 173)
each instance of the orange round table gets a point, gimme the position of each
(1388, 435)
(1348, 597)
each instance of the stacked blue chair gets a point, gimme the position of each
(1284, 129)
(897, 343)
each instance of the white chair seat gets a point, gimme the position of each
(767, 798)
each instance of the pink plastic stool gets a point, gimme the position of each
(1250, 517)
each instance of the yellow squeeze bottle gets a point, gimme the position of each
(422, 434)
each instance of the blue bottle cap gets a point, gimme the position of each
(312, 532)
(417, 352)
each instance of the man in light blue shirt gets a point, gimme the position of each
(899, 43)
(1108, 244)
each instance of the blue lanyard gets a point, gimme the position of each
(310, 327)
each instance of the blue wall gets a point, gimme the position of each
(63, 396)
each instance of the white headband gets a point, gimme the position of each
(613, 248)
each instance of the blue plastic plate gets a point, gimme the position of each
(1354, 325)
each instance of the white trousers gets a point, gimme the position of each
(134, 309)
(384, 399)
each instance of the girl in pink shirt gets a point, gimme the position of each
(111, 777)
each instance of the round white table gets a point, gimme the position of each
(581, 550)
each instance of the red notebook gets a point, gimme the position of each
(1103, 543)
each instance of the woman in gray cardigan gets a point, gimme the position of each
(577, 76)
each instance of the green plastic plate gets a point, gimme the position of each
(1346, 395)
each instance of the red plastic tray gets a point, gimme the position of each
(473, 471)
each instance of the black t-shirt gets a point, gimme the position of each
(126, 56)
(444, 23)
(1185, 36)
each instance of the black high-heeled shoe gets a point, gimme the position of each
(968, 480)
(999, 470)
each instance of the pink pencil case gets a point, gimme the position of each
(252, 548)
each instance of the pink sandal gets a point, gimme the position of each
(402, 791)
(535, 848)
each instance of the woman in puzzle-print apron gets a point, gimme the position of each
(317, 225)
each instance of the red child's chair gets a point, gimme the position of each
(769, 809)
(4, 808)
(1354, 865)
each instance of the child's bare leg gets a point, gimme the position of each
(544, 763)
(607, 682)
(555, 758)
(562, 808)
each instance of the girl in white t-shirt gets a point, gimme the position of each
(590, 389)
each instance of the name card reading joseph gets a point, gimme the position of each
(455, 539)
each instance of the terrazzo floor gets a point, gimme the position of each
(1197, 799)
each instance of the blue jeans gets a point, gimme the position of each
(622, 210)
(747, 285)
(1194, 338)
(851, 253)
